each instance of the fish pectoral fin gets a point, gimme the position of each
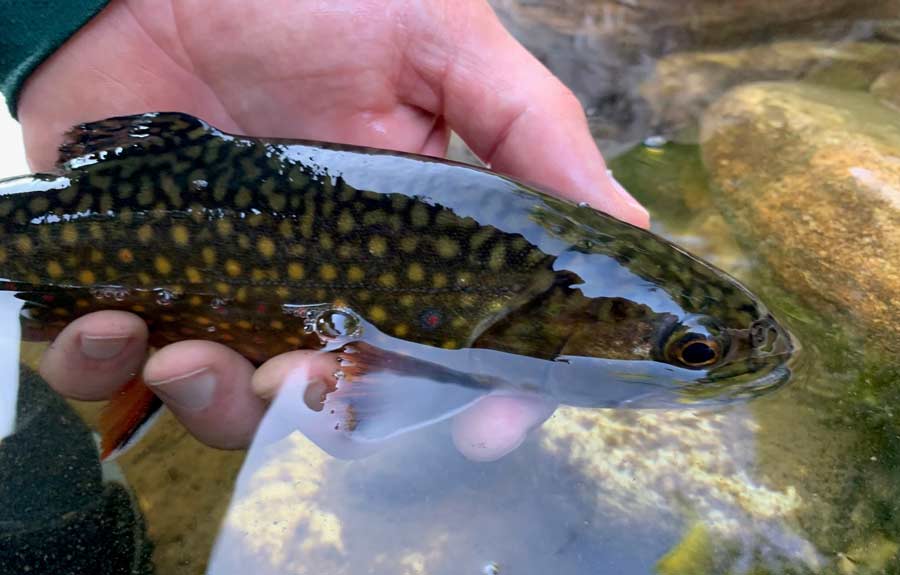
(126, 417)
(124, 135)
(380, 395)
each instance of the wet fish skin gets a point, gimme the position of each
(213, 236)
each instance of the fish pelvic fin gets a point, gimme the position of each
(126, 417)
(378, 396)
(124, 135)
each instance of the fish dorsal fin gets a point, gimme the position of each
(123, 135)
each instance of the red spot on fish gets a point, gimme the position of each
(48, 298)
(261, 308)
(431, 319)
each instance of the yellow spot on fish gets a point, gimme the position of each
(401, 329)
(415, 272)
(87, 277)
(125, 256)
(96, 256)
(374, 217)
(23, 244)
(38, 205)
(325, 241)
(162, 265)
(258, 275)
(286, 229)
(377, 314)
(419, 216)
(96, 231)
(266, 247)
(328, 272)
(145, 234)
(3, 255)
(282, 292)
(295, 271)
(223, 288)
(478, 238)
(61, 311)
(292, 340)
(68, 234)
(439, 280)
(224, 227)
(345, 223)
(355, 274)
(232, 268)
(497, 258)
(447, 247)
(387, 280)
(243, 241)
(209, 255)
(82, 303)
(145, 197)
(180, 235)
(458, 322)
(196, 301)
(244, 324)
(202, 320)
(243, 198)
(241, 295)
(449, 344)
(167, 317)
(193, 275)
(144, 278)
(276, 324)
(346, 251)
(54, 269)
(106, 203)
(409, 243)
(377, 246)
(407, 300)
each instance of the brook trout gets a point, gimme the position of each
(270, 245)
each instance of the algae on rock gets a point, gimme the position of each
(810, 176)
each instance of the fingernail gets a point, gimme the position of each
(193, 390)
(623, 193)
(103, 346)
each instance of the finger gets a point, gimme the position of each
(509, 108)
(497, 425)
(95, 355)
(320, 368)
(207, 386)
(438, 140)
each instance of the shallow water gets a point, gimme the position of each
(803, 480)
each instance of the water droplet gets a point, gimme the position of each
(211, 329)
(655, 142)
(350, 349)
(339, 374)
(492, 568)
(164, 297)
(335, 323)
(218, 303)
(584, 205)
(200, 184)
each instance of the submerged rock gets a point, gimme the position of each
(683, 85)
(810, 176)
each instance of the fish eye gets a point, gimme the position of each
(694, 351)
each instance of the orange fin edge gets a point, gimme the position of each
(126, 414)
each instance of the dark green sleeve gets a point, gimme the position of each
(31, 30)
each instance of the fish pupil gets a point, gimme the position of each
(698, 353)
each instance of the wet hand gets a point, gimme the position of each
(395, 75)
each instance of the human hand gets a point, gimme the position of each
(396, 75)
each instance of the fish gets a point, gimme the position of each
(436, 282)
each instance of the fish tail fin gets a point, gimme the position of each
(379, 395)
(126, 417)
